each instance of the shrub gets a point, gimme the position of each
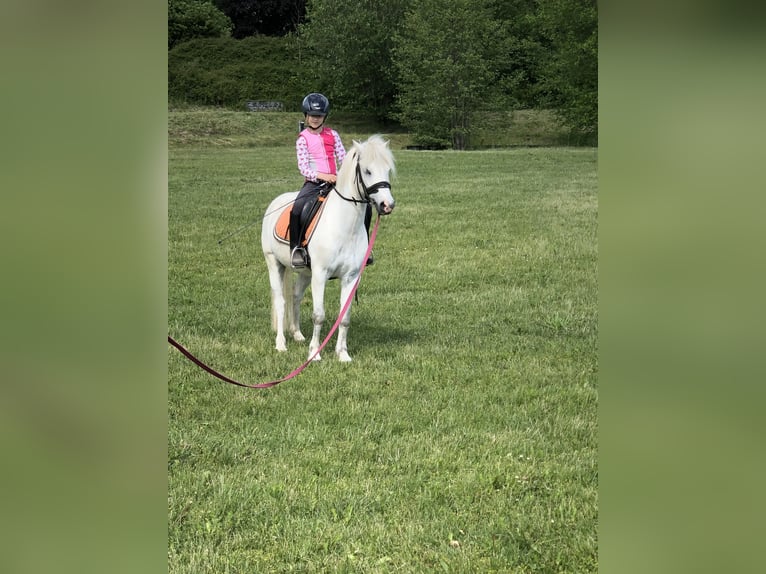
(188, 19)
(227, 72)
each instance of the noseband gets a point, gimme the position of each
(368, 191)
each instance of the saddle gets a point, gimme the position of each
(310, 215)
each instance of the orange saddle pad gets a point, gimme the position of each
(282, 228)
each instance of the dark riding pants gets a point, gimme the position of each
(306, 196)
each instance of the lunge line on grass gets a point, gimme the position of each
(298, 370)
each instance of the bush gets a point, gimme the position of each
(227, 72)
(188, 19)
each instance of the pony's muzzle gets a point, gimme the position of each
(384, 208)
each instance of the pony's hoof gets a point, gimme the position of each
(298, 336)
(344, 357)
(280, 344)
(315, 359)
(281, 348)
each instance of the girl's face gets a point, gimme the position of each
(314, 121)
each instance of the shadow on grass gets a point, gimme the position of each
(380, 335)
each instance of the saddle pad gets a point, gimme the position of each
(282, 228)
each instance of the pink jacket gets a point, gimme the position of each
(322, 152)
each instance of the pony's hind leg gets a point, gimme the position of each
(276, 281)
(317, 317)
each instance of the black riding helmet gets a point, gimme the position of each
(316, 105)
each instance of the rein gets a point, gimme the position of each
(298, 370)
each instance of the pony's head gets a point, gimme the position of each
(369, 166)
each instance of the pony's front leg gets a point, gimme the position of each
(341, 348)
(317, 293)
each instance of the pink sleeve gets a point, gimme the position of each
(304, 160)
(340, 151)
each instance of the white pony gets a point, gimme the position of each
(337, 247)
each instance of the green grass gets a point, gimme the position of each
(217, 127)
(468, 414)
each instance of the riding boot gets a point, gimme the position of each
(297, 253)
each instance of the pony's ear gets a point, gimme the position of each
(356, 143)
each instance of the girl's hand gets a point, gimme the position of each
(328, 177)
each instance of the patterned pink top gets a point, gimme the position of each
(321, 152)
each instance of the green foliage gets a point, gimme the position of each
(228, 72)
(348, 51)
(571, 70)
(446, 57)
(429, 64)
(267, 17)
(189, 19)
(521, 54)
(469, 413)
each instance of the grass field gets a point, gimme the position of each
(212, 127)
(463, 436)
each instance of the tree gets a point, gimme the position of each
(189, 19)
(263, 17)
(446, 55)
(348, 48)
(571, 71)
(522, 54)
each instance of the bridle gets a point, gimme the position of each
(364, 191)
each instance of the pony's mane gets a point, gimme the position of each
(373, 150)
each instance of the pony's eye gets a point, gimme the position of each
(367, 172)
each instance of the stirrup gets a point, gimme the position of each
(298, 258)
